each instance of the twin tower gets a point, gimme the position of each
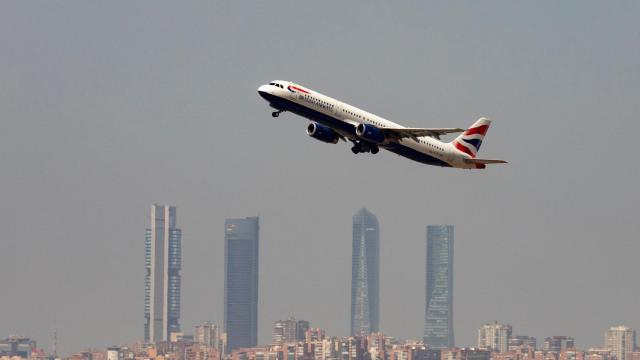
(163, 262)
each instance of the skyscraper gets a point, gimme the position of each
(365, 274)
(163, 261)
(241, 282)
(438, 324)
(621, 340)
(494, 336)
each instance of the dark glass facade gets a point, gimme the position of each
(438, 327)
(241, 282)
(365, 271)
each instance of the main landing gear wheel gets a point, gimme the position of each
(364, 147)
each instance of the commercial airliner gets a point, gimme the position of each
(333, 120)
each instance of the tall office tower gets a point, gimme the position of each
(438, 323)
(163, 261)
(621, 340)
(494, 336)
(241, 282)
(558, 343)
(365, 261)
(208, 334)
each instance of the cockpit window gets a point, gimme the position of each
(272, 83)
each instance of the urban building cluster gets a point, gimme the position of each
(296, 340)
(237, 339)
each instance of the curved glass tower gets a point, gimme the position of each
(365, 274)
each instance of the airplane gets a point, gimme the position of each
(333, 120)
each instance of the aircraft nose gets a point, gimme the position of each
(263, 91)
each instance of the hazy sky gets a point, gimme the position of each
(107, 107)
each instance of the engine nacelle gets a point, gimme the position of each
(370, 133)
(322, 133)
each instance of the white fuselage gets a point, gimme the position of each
(283, 95)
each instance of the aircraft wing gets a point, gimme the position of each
(414, 133)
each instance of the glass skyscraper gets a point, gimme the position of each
(438, 324)
(241, 282)
(163, 261)
(365, 274)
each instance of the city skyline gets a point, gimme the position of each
(297, 340)
(492, 336)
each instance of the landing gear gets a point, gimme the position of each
(364, 147)
(276, 113)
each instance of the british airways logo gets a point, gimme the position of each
(469, 143)
(295, 88)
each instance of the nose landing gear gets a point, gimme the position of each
(276, 113)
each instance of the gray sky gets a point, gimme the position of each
(108, 107)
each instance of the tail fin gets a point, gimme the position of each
(469, 141)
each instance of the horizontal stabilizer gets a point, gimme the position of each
(484, 161)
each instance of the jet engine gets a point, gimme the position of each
(370, 133)
(322, 133)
